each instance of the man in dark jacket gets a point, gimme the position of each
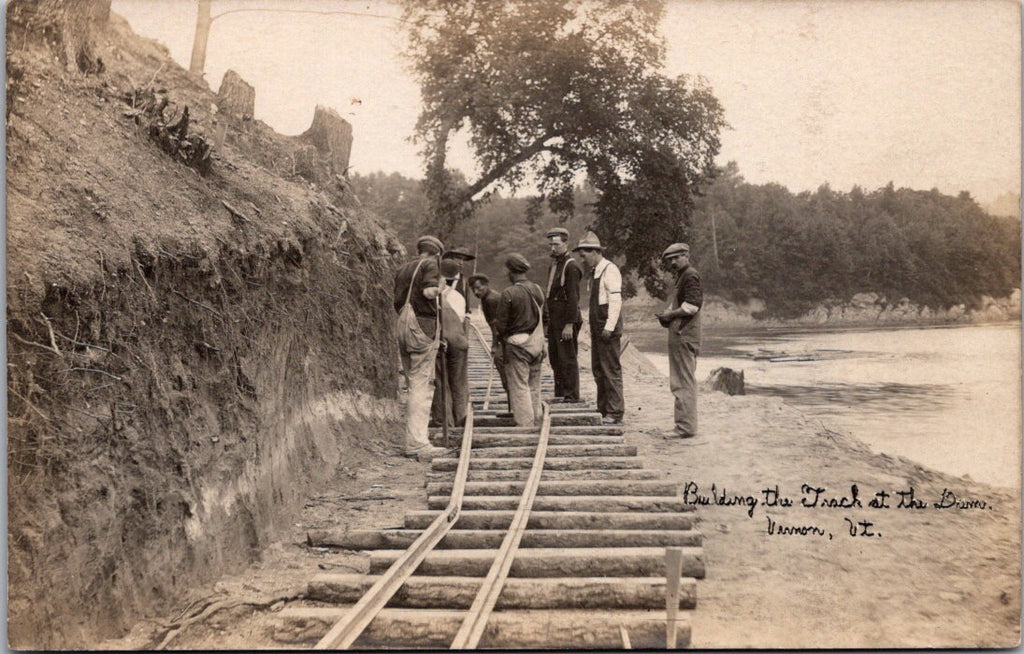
(682, 318)
(563, 316)
(490, 300)
(452, 360)
(418, 283)
(521, 330)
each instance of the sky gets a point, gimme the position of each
(923, 93)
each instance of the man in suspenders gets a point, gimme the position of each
(682, 318)
(563, 316)
(520, 327)
(418, 283)
(605, 329)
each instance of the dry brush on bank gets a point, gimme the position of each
(168, 333)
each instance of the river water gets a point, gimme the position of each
(946, 397)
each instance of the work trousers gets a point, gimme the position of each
(564, 364)
(456, 392)
(682, 366)
(604, 361)
(419, 371)
(497, 347)
(523, 375)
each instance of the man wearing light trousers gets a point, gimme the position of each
(682, 319)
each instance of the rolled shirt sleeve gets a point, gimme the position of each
(612, 282)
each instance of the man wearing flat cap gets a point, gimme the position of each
(563, 316)
(417, 285)
(605, 329)
(682, 319)
(520, 328)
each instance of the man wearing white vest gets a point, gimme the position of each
(605, 328)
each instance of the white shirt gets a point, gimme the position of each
(609, 291)
(455, 301)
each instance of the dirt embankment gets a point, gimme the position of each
(187, 353)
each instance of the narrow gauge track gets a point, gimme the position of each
(549, 538)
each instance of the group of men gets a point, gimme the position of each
(523, 317)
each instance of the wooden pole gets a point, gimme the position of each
(673, 571)
(203, 22)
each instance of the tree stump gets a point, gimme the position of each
(726, 380)
(236, 97)
(332, 136)
(68, 27)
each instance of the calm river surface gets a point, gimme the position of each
(946, 397)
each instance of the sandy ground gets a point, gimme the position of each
(925, 577)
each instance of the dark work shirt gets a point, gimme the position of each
(426, 277)
(490, 303)
(516, 313)
(564, 300)
(688, 289)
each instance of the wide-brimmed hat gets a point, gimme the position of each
(431, 240)
(517, 263)
(674, 249)
(459, 252)
(588, 242)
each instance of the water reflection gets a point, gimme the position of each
(908, 398)
(947, 397)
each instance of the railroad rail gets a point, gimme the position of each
(556, 537)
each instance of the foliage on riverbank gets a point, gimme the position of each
(793, 252)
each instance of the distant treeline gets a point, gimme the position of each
(792, 251)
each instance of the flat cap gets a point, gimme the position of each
(588, 242)
(558, 231)
(459, 252)
(432, 241)
(674, 249)
(517, 263)
(450, 268)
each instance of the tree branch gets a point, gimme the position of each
(499, 171)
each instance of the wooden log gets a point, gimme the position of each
(568, 503)
(540, 629)
(458, 592)
(520, 475)
(559, 520)
(484, 441)
(559, 420)
(561, 451)
(479, 462)
(236, 97)
(546, 562)
(602, 430)
(473, 539)
(570, 487)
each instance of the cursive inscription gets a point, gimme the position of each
(855, 507)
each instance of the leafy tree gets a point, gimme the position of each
(549, 93)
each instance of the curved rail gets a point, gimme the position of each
(346, 630)
(490, 373)
(472, 629)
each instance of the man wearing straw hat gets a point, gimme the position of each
(521, 330)
(416, 291)
(605, 328)
(682, 319)
(563, 316)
